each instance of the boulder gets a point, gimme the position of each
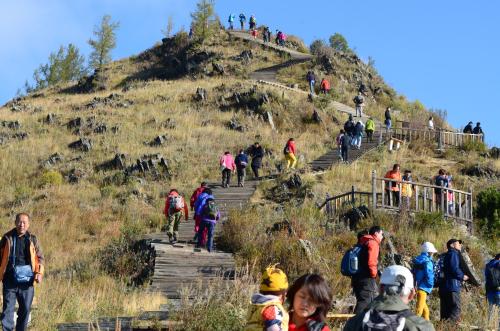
(480, 171)
(50, 118)
(315, 117)
(53, 160)
(75, 123)
(234, 124)
(218, 68)
(494, 152)
(118, 162)
(158, 141)
(83, 144)
(14, 125)
(100, 128)
(201, 94)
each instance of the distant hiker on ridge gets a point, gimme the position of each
(243, 19)
(388, 119)
(231, 19)
(468, 128)
(359, 101)
(253, 22)
(311, 79)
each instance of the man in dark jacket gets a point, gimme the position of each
(449, 288)
(468, 128)
(257, 153)
(364, 282)
(477, 129)
(390, 309)
(21, 265)
(492, 278)
(311, 79)
(388, 118)
(349, 127)
(241, 166)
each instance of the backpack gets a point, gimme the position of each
(348, 127)
(176, 203)
(350, 261)
(210, 210)
(492, 274)
(439, 270)
(358, 100)
(286, 150)
(381, 321)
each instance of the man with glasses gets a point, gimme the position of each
(364, 282)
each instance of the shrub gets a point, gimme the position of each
(51, 178)
(339, 43)
(488, 212)
(475, 145)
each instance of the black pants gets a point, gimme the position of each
(450, 305)
(365, 290)
(241, 176)
(395, 198)
(344, 153)
(255, 169)
(369, 135)
(226, 177)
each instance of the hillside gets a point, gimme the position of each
(93, 168)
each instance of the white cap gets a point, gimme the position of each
(390, 277)
(428, 247)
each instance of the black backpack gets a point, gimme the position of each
(384, 321)
(439, 277)
(286, 150)
(492, 279)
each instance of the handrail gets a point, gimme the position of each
(421, 184)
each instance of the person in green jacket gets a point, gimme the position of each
(390, 310)
(370, 127)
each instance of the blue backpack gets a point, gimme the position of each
(350, 262)
(439, 271)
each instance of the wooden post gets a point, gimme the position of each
(459, 205)
(383, 193)
(374, 190)
(425, 198)
(440, 140)
(442, 198)
(380, 136)
(416, 198)
(471, 207)
(353, 200)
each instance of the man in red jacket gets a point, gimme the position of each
(174, 205)
(364, 282)
(196, 194)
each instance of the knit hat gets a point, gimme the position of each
(273, 280)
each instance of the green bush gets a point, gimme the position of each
(51, 178)
(488, 212)
(477, 146)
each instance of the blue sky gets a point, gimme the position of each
(444, 53)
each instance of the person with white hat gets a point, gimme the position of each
(390, 310)
(423, 269)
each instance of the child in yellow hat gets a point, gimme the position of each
(267, 312)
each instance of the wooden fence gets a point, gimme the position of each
(402, 196)
(442, 137)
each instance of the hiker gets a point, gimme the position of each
(290, 154)
(253, 22)
(227, 166)
(338, 142)
(477, 129)
(406, 191)
(210, 214)
(257, 153)
(430, 124)
(174, 205)
(450, 195)
(21, 265)
(309, 299)
(449, 288)
(349, 128)
(282, 39)
(231, 19)
(344, 142)
(423, 269)
(440, 180)
(392, 187)
(492, 285)
(359, 101)
(468, 128)
(198, 209)
(311, 79)
(362, 89)
(266, 311)
(191, 33)
(390, 310)
(243, 19)
(266, 34)
(370, 128)
(364, 283)
(325, 86)
(358, 134)
(192, 202)
(278, 37)
(241, 162)
(254, 33)
(388, 119)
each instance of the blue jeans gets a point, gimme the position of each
(210, 238)
(311, 86)
(493, 300)
(23, 294)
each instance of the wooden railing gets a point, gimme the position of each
(442, 137)
(403, 196)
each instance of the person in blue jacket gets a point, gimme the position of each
(423, 268)
(492, 284)
(241, 161)
(449, 289)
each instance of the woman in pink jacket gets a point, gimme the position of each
(227, 166)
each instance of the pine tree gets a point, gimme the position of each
(204, 20)
(339, 43)
(104, 42)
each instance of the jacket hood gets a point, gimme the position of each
(423, 258)
(261, 299)
(363, 240)
(386, 302)
(493, 264)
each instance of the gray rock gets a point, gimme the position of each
(100, 128)
(218, 68)
(83, 144)
(118, 162)
(201, 94)
(75, 123)
(234, 124)
(315, 117)
(53, 160)
(50, 119)
(158, 141)
(14, 125)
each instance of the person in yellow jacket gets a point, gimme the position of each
(406, 191)
(369, 128)
(267, 312)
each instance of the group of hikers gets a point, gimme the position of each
(476, 130)
(324, 85)
(254, 31)
(352, 135)
(383, 306)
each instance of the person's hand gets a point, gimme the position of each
(38, 278)
(466, 278)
